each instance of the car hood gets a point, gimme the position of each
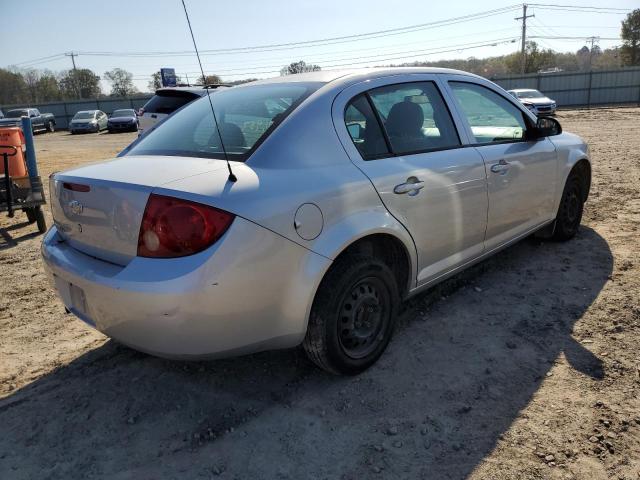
(122, 119)
(82, 121)
(537, 101)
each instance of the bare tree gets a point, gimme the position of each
(298, 67)
(121, 82)
(209, 80)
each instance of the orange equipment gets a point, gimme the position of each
(17, 163)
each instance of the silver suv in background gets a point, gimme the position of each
(166, 101)
(538, 103)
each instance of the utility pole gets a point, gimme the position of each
(593, 41)
(75, 71)
(524, 17)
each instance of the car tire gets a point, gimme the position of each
(40, 220)
(570, 211)
(31, 214)
(352, 317)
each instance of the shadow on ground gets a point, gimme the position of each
(7, 240)
(466, 359)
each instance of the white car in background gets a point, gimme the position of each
(165, 102)
(538, 103)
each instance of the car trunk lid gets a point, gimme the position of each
(98, 208)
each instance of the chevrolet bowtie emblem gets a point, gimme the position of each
(76, 207)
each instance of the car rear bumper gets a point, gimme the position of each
(251, 291)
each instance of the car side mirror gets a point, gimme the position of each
(548, 127)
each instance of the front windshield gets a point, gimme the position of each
(246, 115)
(83, 115)
(123, 113)
(530, 94)
(17, 113)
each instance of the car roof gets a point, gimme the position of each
(195, 89)
(87, 111)
(328, 76)
(523, 90)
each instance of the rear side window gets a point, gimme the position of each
(246, 116)
(364, 129)
(492, 118)
(168, 102)
(415, 117)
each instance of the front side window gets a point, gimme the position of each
(245, 115)
(492, 117)
(415, 117)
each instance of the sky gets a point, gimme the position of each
(142, 36)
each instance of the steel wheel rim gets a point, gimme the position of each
(363, 317)
(572, 206)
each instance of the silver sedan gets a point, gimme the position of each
(352, 192)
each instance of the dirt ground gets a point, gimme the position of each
(525, 367)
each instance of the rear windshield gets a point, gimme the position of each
(83, 115)
(246, 116)
(168, 102)
(17, 113)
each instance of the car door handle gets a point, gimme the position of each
(501, 167)
(410, 187)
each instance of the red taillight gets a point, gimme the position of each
(76, 187)
(172, 227)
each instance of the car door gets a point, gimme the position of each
(521, 171)
(403, 138)
(36, 119)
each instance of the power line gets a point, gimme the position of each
(550, 37)
(315, 58)
(578, 7)
(316, 42)
(395, 55)
(580, 10)
(40, 60)
(351, 63)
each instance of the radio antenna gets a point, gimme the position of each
(232, 177)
